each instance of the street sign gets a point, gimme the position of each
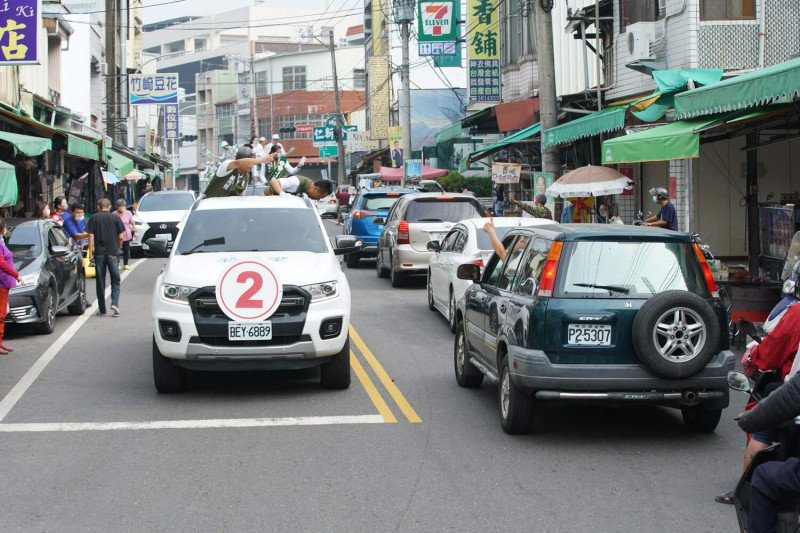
(146, 89)
(171, 122)
(437, 20)
(324, 135)
(329, 151)
(20, 27)
(249, 291)
(437, 49)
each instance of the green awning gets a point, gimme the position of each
(8, 184)
(521, 135)
(82, 148)
(772, 85)
(27, 144)
(604, 121)
(451, 132)
(678, 140)
(118, 163)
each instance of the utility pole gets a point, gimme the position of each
(339, 131)
(255, 132)
(405, 98)
(548, 105)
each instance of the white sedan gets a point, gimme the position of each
(327, 207)
(465, 243)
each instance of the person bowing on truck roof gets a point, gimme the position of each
(233, 175)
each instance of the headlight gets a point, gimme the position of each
(788, 286)
(31, 279)
(176, 293)
(322, 291)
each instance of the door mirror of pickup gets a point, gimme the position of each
(434, 246)
(469, 271)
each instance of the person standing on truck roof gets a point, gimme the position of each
(233, 175)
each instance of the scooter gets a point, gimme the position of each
(790, 276)
(788, 436)
(640, 218)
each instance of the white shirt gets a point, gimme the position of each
(222, 169)
(289, 185)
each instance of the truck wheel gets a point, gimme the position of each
(676, 334)
(335, 374)
(516, 407)
(352, 260)
(467, 376)
(701, 420)
(168, 378)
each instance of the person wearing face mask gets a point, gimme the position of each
(130, 231)
(75, 225)
(667, 217)
(59, 210)
(42, 210)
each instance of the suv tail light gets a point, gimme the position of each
(550, 271)
(402, 233)
(364, 214)
(712, 285)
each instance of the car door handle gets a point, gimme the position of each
(502, 308)
(480, 297)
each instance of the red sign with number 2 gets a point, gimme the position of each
(249, 291)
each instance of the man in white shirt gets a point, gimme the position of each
(232, 175)
(297, 185)
(275, 139)
(259, 172)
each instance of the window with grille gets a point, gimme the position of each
(225, 110)
(294, 78)
(359, 79)
(262, 85)
(633, 11)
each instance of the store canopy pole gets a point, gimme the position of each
(753, 236)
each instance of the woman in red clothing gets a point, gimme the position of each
(8, 279)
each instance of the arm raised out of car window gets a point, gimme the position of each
(496, 244)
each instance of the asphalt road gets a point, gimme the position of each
(86, 443)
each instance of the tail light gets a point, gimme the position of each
(364, 214)
(478, 262)
(550, 271)
(402, 233)
(712, 285)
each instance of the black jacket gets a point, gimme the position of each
(777, 408)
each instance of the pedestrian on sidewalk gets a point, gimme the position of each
(59, 210)
(105, 240)
(343, 198)
(130, 231)
(9, 278)
(42, 210)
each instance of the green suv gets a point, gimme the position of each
(595, 313)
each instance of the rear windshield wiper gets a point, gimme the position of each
(207, 242)
(614, 288)
(429, 220)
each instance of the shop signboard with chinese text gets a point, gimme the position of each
(326, 135)
(379, 85)
(506, 172)
(20, 24)
(484, 58)
(147, 89)
(171, 129)
(437, 21)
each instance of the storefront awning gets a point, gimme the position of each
(27, 144)
(118, 163)
(521, 135)
(679, 140)
(82, 148)
(453, 131)
(8, 184)
(772, 85)
(605, 121)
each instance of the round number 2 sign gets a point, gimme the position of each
(249, 291)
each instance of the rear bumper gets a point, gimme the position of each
(368, 251)
(407, 259)
(533, 371)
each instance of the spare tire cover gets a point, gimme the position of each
(676, 334)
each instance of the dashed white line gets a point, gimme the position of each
(11, 399)
(191, 424)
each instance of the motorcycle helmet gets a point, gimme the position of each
(660, 191)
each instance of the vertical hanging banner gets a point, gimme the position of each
(484, 58)
(20, 24)
(396, 146)
(171, 130)
(379, 85)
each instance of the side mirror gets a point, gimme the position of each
(434, 246)
(380, 221)
(158, 247)
(59, 251)
(347, 244)
(470, 272)
(738, 381)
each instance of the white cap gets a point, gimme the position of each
(224, 143)
(262, 139)
(276, 137)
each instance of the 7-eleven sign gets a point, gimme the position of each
(437, 20)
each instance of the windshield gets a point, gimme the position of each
(483, 238)
(379, 203)
(166, 202)
(255, 229)
(25, 243)
(442, 210)
(633, 269)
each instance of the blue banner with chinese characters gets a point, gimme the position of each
(20, 24)
(484, 57)
(171, 130)
(146, 89)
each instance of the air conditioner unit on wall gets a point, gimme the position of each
(639, 37)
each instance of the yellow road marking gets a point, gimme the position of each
(374, 395)
(394, 392)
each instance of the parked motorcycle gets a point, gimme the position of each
(788, 437)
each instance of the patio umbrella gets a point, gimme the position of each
(590, 181)
(109, 178)
(133, 175)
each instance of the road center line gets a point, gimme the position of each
(388, 383)
(11, 399)
(191, 424)
(369, 386)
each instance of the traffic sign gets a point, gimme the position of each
(249, 291)
(325, 135)
(329, 151)
(437, 49)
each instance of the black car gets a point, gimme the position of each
(51, 266)
(597, 313)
